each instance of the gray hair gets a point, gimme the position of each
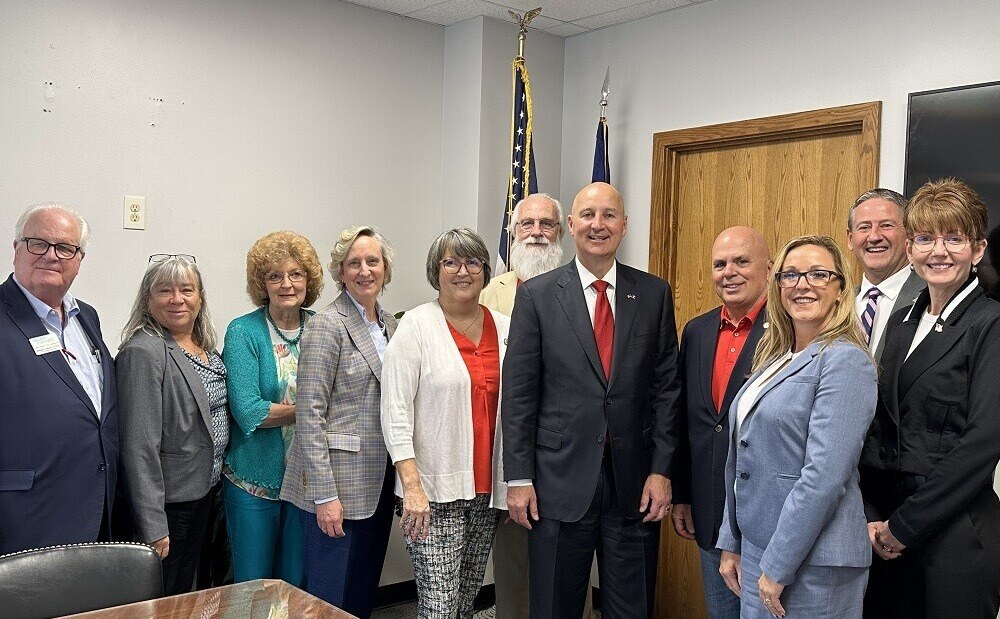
(462, 243)
(22, 221)
(170, 272)
(343, 247)
(516, 213)
(879, 192)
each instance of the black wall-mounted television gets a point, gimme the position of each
(956, 132)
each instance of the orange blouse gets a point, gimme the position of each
(483, 364)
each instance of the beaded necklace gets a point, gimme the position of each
(290, 342)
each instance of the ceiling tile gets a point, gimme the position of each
(631, 13)
(399, 7)
(452, 11)
(566, 30)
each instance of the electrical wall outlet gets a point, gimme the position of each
(135, 213)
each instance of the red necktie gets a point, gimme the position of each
(604, 326)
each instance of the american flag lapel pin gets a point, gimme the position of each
(630, 296)
(938, 327)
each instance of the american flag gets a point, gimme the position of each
(522, 181)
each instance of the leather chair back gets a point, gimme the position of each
(75, 578)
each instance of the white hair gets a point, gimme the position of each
(512, 224)
(22, 221)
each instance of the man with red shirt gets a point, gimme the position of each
(715, 357)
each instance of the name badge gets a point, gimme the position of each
(44, 344)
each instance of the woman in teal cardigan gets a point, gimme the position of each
(284, 276)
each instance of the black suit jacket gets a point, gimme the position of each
(557, 406)
(58, 461)
(937, 417)
(700, 468)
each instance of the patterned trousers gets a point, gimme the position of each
(449, 564)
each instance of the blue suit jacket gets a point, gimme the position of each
(699, 471)
(558, 407)
(58, 461)
(792, 473)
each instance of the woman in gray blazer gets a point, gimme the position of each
(338, 472)
(793, 534)
(174, 424)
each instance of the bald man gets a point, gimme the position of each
(716, 354)
(589, 387)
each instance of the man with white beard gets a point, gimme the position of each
(536, 225)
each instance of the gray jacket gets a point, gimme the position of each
(166, 440)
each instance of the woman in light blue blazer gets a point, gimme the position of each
(794, 534)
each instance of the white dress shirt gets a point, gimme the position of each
(589, 294)
(889, 290)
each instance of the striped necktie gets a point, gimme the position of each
(868, 316)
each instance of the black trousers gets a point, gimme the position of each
(560, 555)
(187, 525)
(955, 574)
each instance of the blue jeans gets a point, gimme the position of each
(721, 602)
(266, 536)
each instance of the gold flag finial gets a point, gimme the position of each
(522, 22)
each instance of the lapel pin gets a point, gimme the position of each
(767, 324)
(938, 327)
(630, 296)
(504, 341)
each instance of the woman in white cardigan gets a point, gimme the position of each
(440, 403)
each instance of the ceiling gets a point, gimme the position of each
(562, 18)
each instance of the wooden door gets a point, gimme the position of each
(785, 176)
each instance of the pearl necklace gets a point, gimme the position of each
(292, 342)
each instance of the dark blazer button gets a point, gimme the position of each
(881, 452)
(600, 438)
(718, 428)
(743, 443)
(744, 475)
(608, 401)
(101, 467)
(893, 454)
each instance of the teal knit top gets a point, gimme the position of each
(255, 454)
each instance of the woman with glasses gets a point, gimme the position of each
(284, 276)
(793, 531)
(928, 462)
(440, 402)
(338, 474)
(172, 403)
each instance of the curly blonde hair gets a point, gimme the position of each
(270, 251)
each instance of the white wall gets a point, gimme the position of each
(233, 119)
(729, 60)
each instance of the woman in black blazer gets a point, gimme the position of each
(928, 461)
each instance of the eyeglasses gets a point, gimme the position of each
(277, 278)
(952, 242)
(474, 266)
(819, 278)
(165, 257)
(547, 225)
(39, 247)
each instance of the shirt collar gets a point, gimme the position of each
(587, 278)
(70, 307)
(890, 286)
(751, 316)
(361, 310)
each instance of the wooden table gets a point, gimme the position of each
(255, 599)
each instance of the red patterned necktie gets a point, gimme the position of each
(604, 326)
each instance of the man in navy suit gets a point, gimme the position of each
(716, 355)
(589, 432)
(59, 421)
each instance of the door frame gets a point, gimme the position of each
(863, 118)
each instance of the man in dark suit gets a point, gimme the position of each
(589, 427)
(717, 351)
(59, 421)
(876, 235)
